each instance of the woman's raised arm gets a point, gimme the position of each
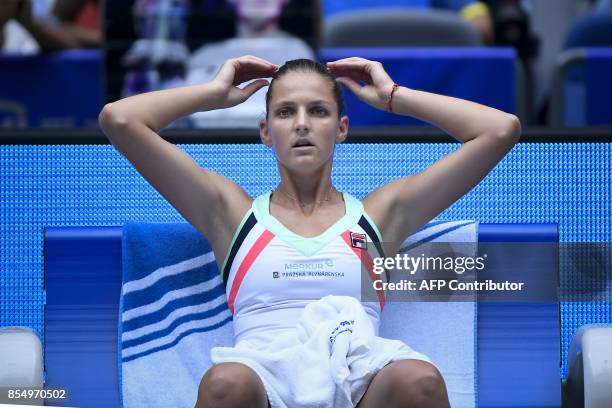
(158, 109)
(210, 202)
(402, 206)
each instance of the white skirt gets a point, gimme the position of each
(328, 360)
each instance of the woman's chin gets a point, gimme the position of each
(304, 164)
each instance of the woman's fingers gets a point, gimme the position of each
(250, 59)
(254, 86)
(370, 68)
(252, 68)
(356, 63)
(355, 67)
(257, 59)
(371, 72)
(250, 62)
(235, 71)
(226, 73)
(352, 63)
(351, 84)
(356, 74)
(350, 60)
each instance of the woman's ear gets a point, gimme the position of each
(263, 133)
(343, 125)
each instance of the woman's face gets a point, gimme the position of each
(302, 124)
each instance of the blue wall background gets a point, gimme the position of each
(86, 185)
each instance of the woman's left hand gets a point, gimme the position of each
(378, 84)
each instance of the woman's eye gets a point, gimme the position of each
(283, 113)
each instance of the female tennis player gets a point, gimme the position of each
(303, 123)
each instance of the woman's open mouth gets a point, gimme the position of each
(303, 144)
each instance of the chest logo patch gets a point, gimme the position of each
(358, 240)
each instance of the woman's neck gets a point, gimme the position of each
(306, 191)
(306, 196)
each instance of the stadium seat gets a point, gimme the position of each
(591, 30)
(581, 76)
(399, 28)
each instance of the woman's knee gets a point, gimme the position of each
(230, 384)
(419, 384)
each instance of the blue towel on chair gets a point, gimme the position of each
(173, 311)
(173, 308)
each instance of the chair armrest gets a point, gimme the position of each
(589, 379)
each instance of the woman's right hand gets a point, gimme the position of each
(236, 71)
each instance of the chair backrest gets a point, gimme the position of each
(592, 30)
(581, 87)
(398, 27)
(574, 95)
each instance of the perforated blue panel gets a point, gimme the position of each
(94, 185)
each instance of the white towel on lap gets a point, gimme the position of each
(327, 361)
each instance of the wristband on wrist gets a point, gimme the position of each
(390, 99)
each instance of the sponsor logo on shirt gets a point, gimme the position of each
(358, 240)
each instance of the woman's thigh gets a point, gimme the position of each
(406, 383)
(231, 385)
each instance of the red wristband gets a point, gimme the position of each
(390, 100)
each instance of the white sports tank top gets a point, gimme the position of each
(271, 273)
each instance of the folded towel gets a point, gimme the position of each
(173, 312)
(330, 357)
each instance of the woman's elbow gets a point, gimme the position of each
(110, 120)
(509, 129)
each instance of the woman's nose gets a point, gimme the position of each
(301, 120)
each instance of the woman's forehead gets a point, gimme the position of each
(298, 84)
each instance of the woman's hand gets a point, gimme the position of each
(378, 84)
(236, 71)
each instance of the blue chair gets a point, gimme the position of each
(591, 30)
(517, 343)
(399, 27)
(581, 79)
(29, 83)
